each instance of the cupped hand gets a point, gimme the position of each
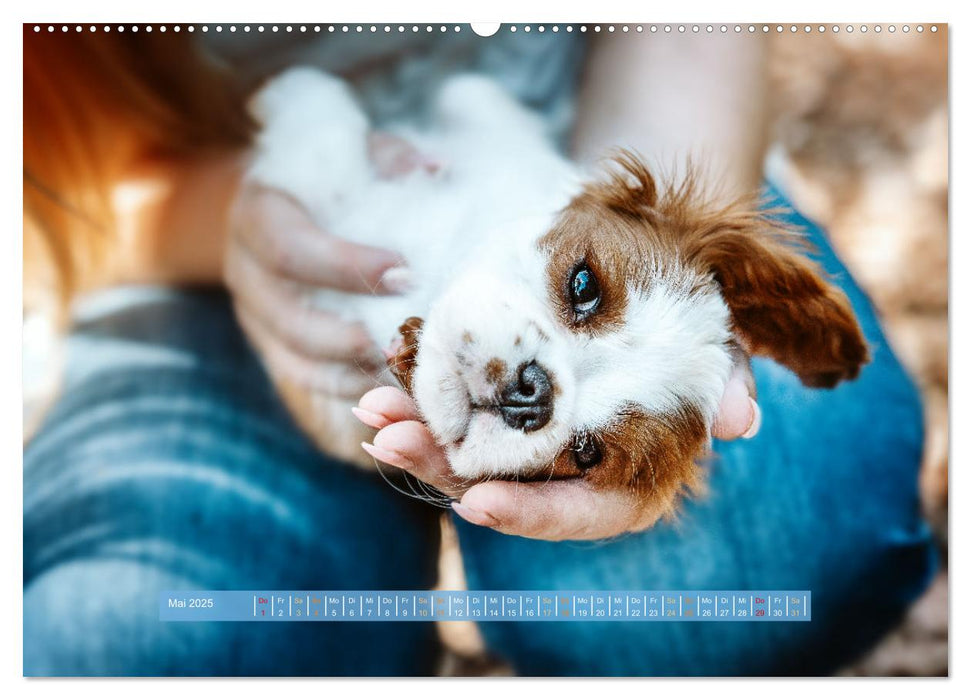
(551, 510)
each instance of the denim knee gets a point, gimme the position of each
(169, 464)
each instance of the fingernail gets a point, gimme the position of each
(753, 429)
(476, 517)
(374, 420)
(397, 280)
(386, 456)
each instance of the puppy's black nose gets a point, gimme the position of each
(526, 403)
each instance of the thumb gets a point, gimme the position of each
(738, 413)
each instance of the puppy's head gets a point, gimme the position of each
(598, 344)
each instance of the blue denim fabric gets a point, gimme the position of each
(169, 463)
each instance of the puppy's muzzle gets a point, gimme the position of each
(526, 403)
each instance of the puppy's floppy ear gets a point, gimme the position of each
(782, 306)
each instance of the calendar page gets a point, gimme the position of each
(514, 349)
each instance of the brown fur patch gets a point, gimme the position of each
(614, 228)
(402, 363)
(584, 236)
(495, 371)
(652, 456)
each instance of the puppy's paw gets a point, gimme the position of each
(404, 349)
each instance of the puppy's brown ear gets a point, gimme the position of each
(782, 306)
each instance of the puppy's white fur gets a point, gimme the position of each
(470, 235)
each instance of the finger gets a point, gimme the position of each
(554, 510)
(385, 405)
(738, 413)
(284, 310)
(340, 379)
(280, 233)
(410, 446)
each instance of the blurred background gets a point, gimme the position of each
(861, 145)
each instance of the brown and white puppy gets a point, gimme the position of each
(647, 296)
(558, 327)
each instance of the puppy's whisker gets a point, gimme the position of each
(390, 482)
(440, 500)
(430, 494)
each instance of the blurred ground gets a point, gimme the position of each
(861, 145)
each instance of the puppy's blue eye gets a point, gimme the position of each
(584, 292)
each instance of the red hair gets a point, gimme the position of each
(94, 102)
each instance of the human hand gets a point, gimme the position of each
(276, 258)
(549, 510)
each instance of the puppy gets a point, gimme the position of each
(556, 327)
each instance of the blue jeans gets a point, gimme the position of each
(169, 463)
